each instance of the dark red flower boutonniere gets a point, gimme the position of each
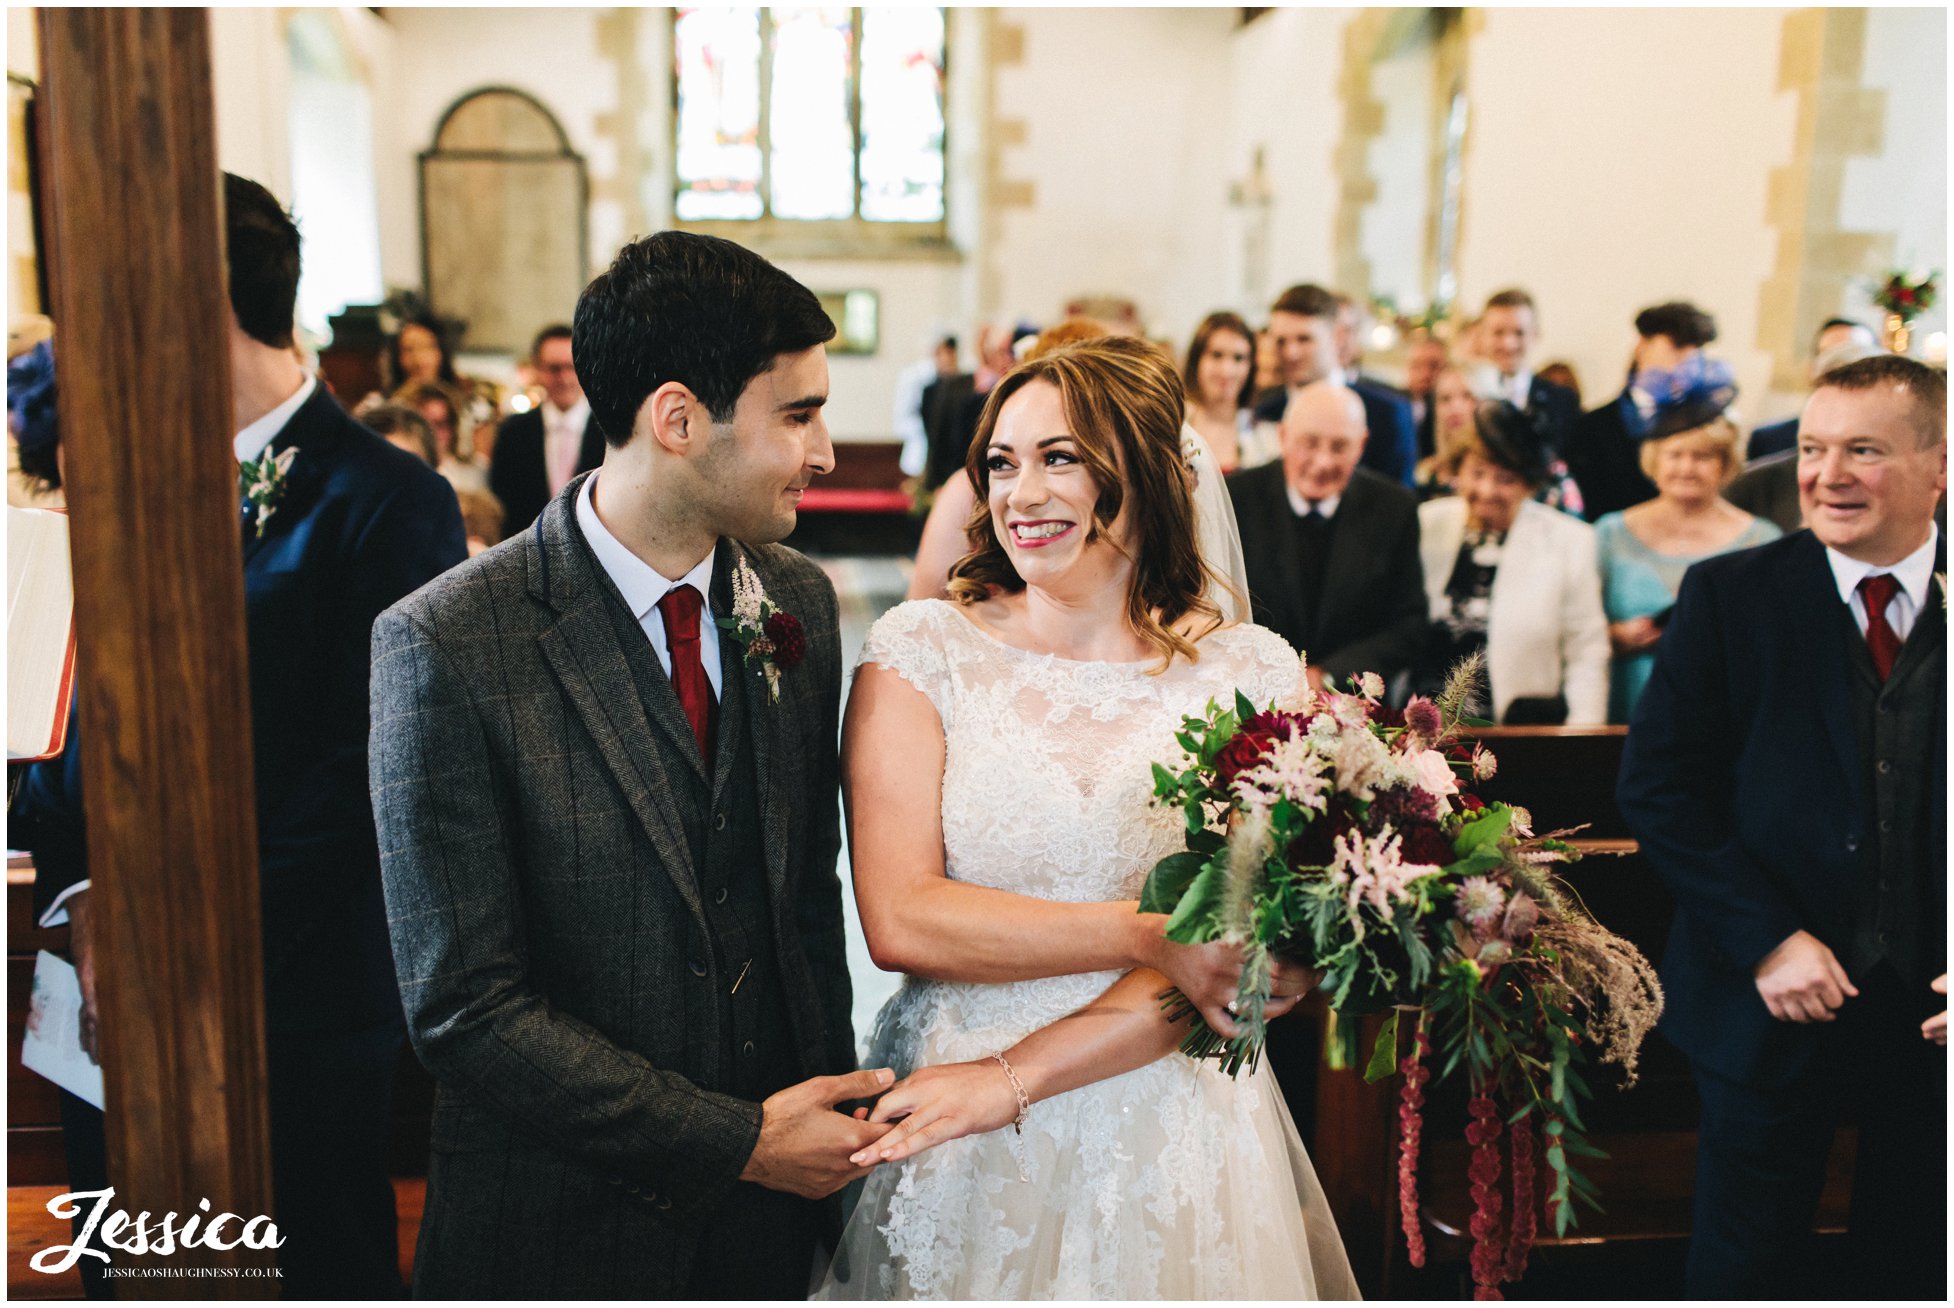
(772, 637)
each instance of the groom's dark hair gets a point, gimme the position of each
(261, 245)
(692, 309)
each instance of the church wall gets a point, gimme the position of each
(1619, 158)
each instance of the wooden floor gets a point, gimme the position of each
(30, 1229)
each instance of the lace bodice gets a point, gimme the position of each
(1048, 768)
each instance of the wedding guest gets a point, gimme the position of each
(1561, 373)
(1690, 453)
(1332, 548)
(1220, 389)
(1302, 323)
(1838, 341)
(418, 352)
(1508, 332)
(1513, 578)
(539, 451)
(1603, 450)
(481, 519)
(402, 428)
(454, 434)
(1454, 405)
(1423, 361)
(371, 525)
(1786, 775)
(911, 391)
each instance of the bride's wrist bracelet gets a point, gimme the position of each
(1017, 1088)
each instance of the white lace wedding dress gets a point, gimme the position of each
(1169, 1182)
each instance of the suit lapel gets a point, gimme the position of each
(582, 651)
(308, 432)
(1285, 588)
(1811, 595)
(746, 685)
(1341, 562)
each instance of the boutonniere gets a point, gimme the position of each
(262, 483)
(773, 638)
(1941, 577)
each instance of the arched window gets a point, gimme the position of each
(821, 120)
(504, 231)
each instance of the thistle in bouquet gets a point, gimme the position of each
(1346, 835)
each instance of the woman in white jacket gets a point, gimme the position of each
(1515, 578)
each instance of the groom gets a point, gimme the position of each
(609, 849)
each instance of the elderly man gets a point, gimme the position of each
(1786, 773)
(1332, 549)
(1303, 324)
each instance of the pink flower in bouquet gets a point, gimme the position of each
(1290, 768)
(1370, 686)
(1348, 710)
(1433, 773)
(1479, 904)
(1372, 870)
(1484, 765)
(1522, 915)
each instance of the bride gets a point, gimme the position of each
(1049, 1141)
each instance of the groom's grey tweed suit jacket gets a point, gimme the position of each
(554, 951)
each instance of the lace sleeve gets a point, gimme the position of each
(908, 640)
(1271, 672)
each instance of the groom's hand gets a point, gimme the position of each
(805, 1144)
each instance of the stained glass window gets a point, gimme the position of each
(819, 113)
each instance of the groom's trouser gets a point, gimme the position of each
(1761, 1155)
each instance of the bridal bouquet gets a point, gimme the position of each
(1346, 837)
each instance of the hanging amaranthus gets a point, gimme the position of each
(1520, 1233)
(1411, 1125)
(1488, 1252)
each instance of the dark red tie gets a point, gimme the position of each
(1878, 591)
(680, 609)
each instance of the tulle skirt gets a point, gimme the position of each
(1173, 1181)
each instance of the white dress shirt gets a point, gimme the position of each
(248, 445)
(563, 441)
(1915, 573)
(642, 586)
(1303, 507)
(1517, 387)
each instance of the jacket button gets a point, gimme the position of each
(698, 968)
(664, 1204)
(1885, 766)
(719, 895)
(1852, 844)
(747, 1049)
(1886, 824)
(719, 823)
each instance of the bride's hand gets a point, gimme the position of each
(1210, 976)
(934, 1104)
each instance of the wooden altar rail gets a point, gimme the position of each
(1565, 777)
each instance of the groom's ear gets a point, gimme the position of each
(674, 418)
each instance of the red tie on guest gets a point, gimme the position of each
(680, 609)
(1877, 592)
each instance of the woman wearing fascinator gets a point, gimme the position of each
(1049, 1142)
(1515, 579)
(1691, 451)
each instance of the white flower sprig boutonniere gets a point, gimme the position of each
(773, 638)
(262, 484)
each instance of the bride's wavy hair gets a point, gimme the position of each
(1123, 402)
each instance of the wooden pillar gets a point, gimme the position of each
(135, 252)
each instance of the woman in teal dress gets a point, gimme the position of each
(1690, 453)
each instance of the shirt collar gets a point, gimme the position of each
(250, 443)
(1336, 376)
(576, 415)
(1327, 507)
(641, 585)
(1915, 572)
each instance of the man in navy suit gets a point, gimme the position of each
(1510, 328)
(538, 453)
(1829, 349)
(1786, 773)
(355, 525)
(1303, 324)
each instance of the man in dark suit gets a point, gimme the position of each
(1508, 331)
(1839, 340)
(1786, 773)
(612, 881)
(1331, 548)
(1603, 451)
(352, 525)
(538, 452)
(1303, 325)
